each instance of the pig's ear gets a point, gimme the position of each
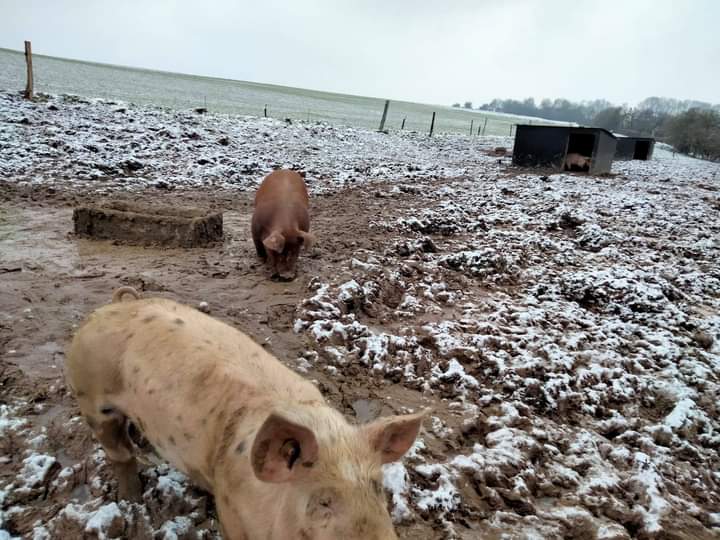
(391, 437)
(308, 240)
(282, 450)
(275, 242)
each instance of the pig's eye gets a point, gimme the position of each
(291, 451)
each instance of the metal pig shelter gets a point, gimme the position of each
(548, 146)
(634, 147)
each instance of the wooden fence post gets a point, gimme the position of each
(265, 111)
(471, 126)
(432, 124)
(403, 123)
(484, 126)
(28, 60)
(384, 116)
(511, 126)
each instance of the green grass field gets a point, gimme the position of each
(141, 86)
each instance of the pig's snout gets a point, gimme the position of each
(285, 272)
(284, 263)
(284, 277)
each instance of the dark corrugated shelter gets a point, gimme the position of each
(549, 146)
(634, 147)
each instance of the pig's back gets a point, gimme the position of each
(189, 342)
(283, 187)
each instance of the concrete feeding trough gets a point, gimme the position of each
(149, 225)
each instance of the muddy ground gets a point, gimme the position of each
(50, 280)
(564, 328)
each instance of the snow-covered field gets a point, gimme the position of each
(84, 141)
(564, 328)
(179, 91)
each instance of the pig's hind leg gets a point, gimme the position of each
(110, 427)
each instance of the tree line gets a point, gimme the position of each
(691, 127)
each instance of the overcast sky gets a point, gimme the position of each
(417, 50)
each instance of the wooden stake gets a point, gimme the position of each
(384, 116)
(471, 126)
(432, 124)
(484, 126)
(265, 111)
(28, 60)
(403, 124)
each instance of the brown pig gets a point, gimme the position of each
(280, 222)
(281, 463)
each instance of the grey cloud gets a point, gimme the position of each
(436, 52)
